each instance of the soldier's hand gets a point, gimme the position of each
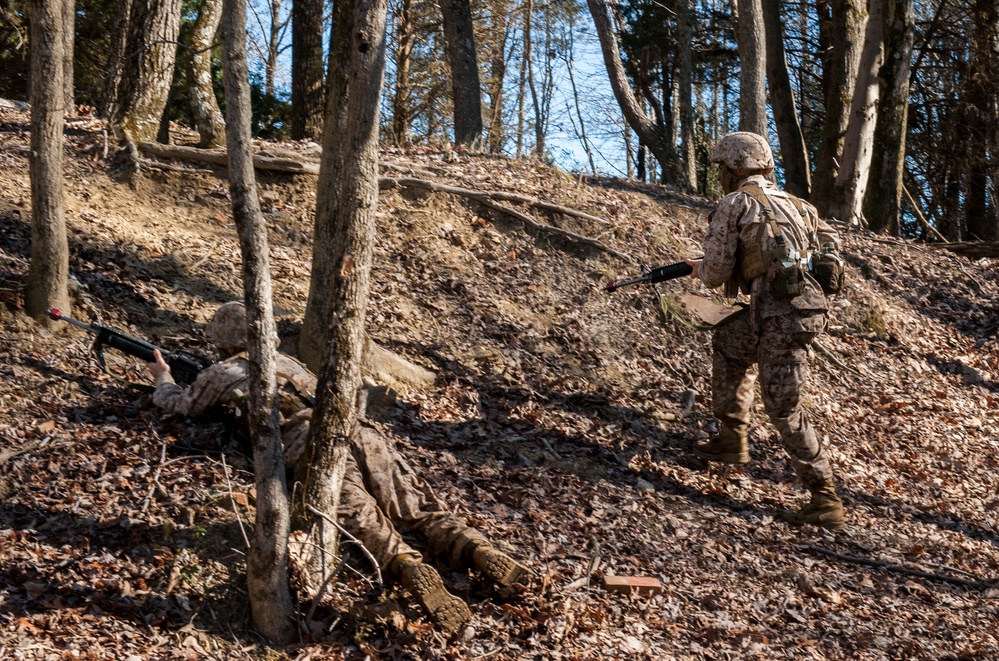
(696, 265)
(159, 367)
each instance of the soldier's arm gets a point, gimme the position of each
(722, 240)
(195, 400)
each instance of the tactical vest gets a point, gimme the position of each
(295, 390)
(758, 259)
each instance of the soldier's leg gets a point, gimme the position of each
(364, 520)
(410, 503)
(783, 375)
(732, 379)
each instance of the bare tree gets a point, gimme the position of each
(496, 44)
(752, 67)
(207, 116)
(883, 201)
(333, 329)
(68, 46)
(459, 47)
(651, 135)
(306, 69)
(402, 102)
(858, 143)
(794, 153)
(48, 272)
(841, 38)
(109, 105)
(267, 564)
(149, 63)
(685, 70)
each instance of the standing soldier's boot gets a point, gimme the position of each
(825, 509)
(495, 565)
(423, 582)
(729, 446)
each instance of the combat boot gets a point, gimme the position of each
(824, 510)
(497, 566)
(729, 446)
(424, 583)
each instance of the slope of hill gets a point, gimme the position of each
(561, 424)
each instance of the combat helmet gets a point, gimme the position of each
(228, 327)
(743, 150)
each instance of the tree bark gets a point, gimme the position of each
(47, 285)
(793, 152)
(500, 22)
(273, 47)
(402, 104)
(149, 63)
(883, 202)
(267, 563)
(841, 26)
(752, 68)
(109, 106)
(207, 115)
(979, 115)
(685, 72)
(654, 137)
(307, 69)
(522, 78)
(459, 47)
(68, 47)
(851, 180)
(333, 329)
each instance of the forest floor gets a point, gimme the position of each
(561, 424)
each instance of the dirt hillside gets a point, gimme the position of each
(560, 424)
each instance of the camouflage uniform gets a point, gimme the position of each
(382, 495)
(776, 333)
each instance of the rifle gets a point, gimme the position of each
(661, 274)
(184, 366)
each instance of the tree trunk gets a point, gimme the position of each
(149, 64)
(855, 163)
(569, 57)
(307, 69)
(68, 46)
(841, 26)
(979, 116)
(267, 564)
(883, 202)
(685, 69)
(109, 106)
(793, 152)
(651, 136)
(522, 78)
(207, 116)
(752, 68)
(47, 285)
(333, 329)
(528, 70)
(273, 47)
(495, 137)
(459, 47)
(402, 105)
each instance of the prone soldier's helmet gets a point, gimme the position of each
(228, 327)
(743, 150)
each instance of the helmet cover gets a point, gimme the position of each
(228, 327)
(744, 151)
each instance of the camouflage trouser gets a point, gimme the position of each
(383, 498)
(780, 349)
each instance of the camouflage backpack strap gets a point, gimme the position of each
(755, 192)
(300, 382)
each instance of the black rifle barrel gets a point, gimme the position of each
(661, 274)
(184, 367)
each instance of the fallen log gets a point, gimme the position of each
(221, 158)
(972, 249)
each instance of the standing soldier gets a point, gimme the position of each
(382, 495)
(756, 243)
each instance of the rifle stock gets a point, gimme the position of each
(661, 274)
(184, 366)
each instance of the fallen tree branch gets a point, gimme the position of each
(920, 217)
(828, 354)
(221, 158)
(899, 569)
(971, 249)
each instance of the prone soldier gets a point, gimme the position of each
(382, 496)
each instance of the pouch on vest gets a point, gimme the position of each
(785, 274)
(827, 267)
